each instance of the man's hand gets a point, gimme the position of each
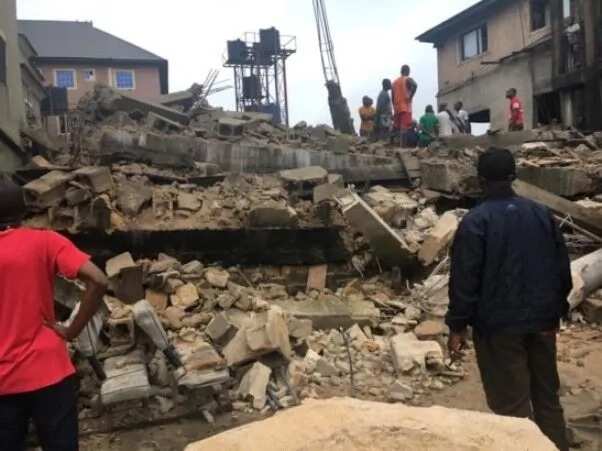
(455, 345)
(59, 329)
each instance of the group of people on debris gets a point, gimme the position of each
(393, 115)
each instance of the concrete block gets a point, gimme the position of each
(254, 385)
(98, 178)
(326, 192)
(188, 201)
(75, 196)
(47, 191)
(121, 332)
(127, 379)
(217, 278)
(220, 330)
(325, 368)
(272, 215)
(565, 182)
(407, 352)
(114, 265)
(228, 127)
(157, 299)
(439, 238)
(430, 330)
(193, 267)
(316, 277)
(186, 296)
(389, 247)
(300, 328)
(592, 310)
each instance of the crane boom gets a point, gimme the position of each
(339, 109)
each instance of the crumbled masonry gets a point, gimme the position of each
(253, 266)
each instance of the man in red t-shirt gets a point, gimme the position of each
(36, 374)
(517, 113)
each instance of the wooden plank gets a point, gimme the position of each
(586, 218)
(316, 278)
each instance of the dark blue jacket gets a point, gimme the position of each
(510, 269)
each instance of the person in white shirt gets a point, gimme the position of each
(463, 119)
(446, 123)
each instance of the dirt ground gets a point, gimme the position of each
(580, 363)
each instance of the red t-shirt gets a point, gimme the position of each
(517, 112)
(32, 356)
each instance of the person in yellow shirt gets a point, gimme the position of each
(367, 115)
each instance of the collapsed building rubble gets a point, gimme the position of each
(253, 266)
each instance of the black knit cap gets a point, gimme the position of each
(497, 165)
(12, 202)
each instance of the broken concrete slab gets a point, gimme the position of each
(47, 191)
(159, 150)
(127, 379)
(344, 424)
(407, 352)
(198, 356)
(126, 278)
(326, 192)
(449, 176)
(98, 178)
(254, 385)
(586, 218)
(154, 120)
(111, 100)
(313, 175)
(565, 182)
(438, 238)
(388, 246)
(300, 328)
(116, 264)
(332, 313)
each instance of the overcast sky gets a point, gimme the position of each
(372, 40)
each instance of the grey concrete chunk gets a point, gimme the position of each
(254, 385)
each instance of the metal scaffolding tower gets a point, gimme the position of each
(260, 80)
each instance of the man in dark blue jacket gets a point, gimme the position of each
(510, 278)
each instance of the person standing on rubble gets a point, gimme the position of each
(429, 127)
(510, 278)
(404, 90)
(516, 122)
(462, 118)
(367, 114)
(384, 112)
(37, 378)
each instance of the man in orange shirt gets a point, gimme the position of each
(37, 378)
(404, 90)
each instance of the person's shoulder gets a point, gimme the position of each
(531, 204)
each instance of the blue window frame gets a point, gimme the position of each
(65, 78)
(124, 79)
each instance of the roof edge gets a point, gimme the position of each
(435, 34)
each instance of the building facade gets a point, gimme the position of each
(76, 55)
(500, 44)
(12, 110)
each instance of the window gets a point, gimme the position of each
(2, 61)
(124, 79)
(474, 43)
(64, 78)
(540, 14)
(89, 75)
